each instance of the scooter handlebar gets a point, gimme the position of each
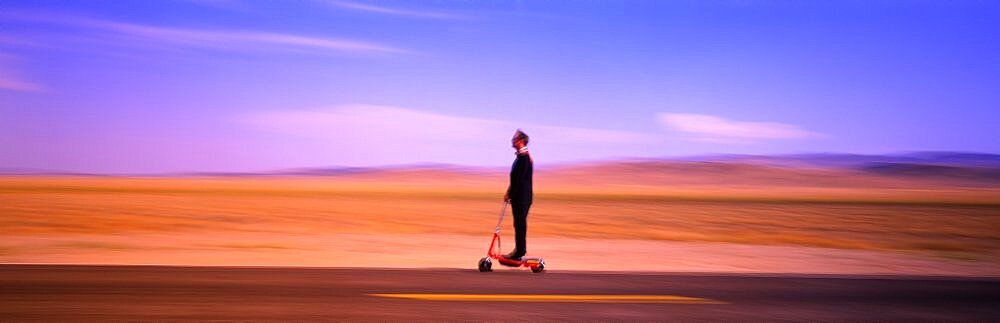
(503, 211)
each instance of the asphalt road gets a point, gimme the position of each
(102, 293)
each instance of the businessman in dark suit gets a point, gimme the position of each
(519, 193)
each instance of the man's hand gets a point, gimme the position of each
(506, 197)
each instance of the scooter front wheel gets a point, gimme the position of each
(485, 265)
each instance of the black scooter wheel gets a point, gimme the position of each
(539, 268)
(485, 265)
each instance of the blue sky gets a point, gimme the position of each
(234, 85)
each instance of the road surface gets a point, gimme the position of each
(102, 293)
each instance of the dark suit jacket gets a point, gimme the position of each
(520, 191)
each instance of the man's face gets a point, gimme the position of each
(516, 143)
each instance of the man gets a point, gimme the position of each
(519, 192)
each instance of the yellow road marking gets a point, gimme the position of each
(556, 298)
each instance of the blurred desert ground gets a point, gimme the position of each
(633, 215)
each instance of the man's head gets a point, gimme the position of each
(519, 140)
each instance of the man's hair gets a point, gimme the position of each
(520, 135)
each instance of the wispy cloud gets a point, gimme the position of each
(350, 5)
(405, 126)
(373, 135)
(14, 84)
(387, 133)
(716, 129)
(222, 4)
(11, 80)
(11, 40)
(208, 38)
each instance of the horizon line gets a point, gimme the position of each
(333, 170)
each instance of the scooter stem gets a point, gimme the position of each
(502, 212)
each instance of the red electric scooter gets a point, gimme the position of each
(537, 265)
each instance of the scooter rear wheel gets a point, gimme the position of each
(538, 268)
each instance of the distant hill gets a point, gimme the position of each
(934, 171)
(973, 168)
(833, 170)
(827, 160)
(958, 159)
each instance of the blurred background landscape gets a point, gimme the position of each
(917, 213)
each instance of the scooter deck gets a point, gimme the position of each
(518, 263)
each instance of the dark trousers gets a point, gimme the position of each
(520, 229)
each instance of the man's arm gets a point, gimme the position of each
(515, 180)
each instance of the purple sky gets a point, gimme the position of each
(233, 85)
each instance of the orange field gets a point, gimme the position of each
(62, 214)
